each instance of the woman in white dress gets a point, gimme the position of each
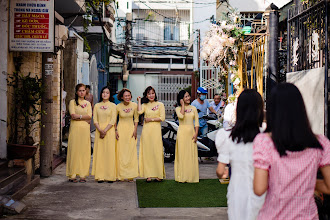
(235, 147)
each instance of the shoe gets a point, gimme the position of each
(100, 181)
(148, 180)
(110, 181)
(82, 180)
(209, 159)
(158, 180)
(73, 180)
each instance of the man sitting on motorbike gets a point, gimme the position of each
(202, 105)
(217, 104)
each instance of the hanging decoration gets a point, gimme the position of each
(221, 45)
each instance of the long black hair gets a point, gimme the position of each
(249, 116)
(287, 120)
(145, 93)
(76, 95)
(180, 96)
(105, 87)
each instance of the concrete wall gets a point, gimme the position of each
(56, 110)
(3, 77)
(31, 63)
(94, 78)
(80, 59)
(70, 70)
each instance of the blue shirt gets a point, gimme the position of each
(115, 99)
(202, 110)
(217, 107)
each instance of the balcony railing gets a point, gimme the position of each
(160, 32)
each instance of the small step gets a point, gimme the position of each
(57, 160)
(5, 190)
(9, 175)
(3, 164)
(25, 187)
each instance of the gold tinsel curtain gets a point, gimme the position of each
(254, 49)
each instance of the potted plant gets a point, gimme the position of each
(28, 91)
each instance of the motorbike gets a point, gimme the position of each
(205, 144)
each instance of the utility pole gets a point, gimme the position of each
(128, 30)
(46, 155)
(273, 73)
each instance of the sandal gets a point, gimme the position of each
(158, 180)
(148, 180)
(73, 180)
(130, 180)
(82, 180)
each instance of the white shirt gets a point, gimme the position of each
(242, 202)
(229, 116)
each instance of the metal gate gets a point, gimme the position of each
(167, 87)
(308, 42)
(210, 79)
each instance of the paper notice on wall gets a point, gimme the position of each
(31, 25)
(311, 86)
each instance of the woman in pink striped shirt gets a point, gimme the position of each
(287, 157)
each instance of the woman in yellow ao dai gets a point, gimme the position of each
(104, 158)
(186, 154)
(126, 134)
(79, 143)
(151, 155)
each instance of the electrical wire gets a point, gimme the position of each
(174, 20)
(76, 15)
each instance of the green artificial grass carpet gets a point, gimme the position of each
(206, 193)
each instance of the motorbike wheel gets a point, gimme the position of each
(169, 150)
(168, 158)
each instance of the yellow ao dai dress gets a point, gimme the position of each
(186, 153)
(104, 158)
(151, 155)
(127, 162)
(79, 143)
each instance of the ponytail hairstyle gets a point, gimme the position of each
(145, 93)
(77, 88)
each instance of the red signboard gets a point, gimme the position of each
(34, 20)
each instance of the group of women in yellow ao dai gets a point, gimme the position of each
(151, 155)
(79, 143)
(186, 153)
(104, 159)
(127, 162)
(115, 150)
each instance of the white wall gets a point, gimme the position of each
(162, 4)
(123, 9)
(255, 5)
(3, 77)
(137, 84)
(202, 10)
(155, 30)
